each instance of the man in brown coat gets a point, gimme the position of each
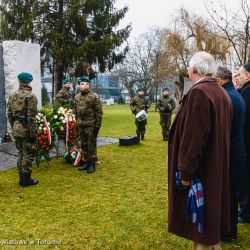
(199, 143)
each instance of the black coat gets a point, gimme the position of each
(245, 93)
(237, 144)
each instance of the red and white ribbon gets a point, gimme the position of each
(67, 129)
(48, 129)
(78, 157)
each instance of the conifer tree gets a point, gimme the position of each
(69, 32)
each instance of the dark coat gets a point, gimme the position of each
(245, 93)
(244, 193)
(237, 144)
(199, 142)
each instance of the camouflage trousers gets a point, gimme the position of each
(141, 126)
(25, 155)
(165, 122)
(88, 144)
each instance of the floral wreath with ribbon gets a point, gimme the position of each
(44, 139)
(65, 124)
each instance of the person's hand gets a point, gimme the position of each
(96, 130)
(186, 183)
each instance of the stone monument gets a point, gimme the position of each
(17, 57)
(21, 57)
(3, 119)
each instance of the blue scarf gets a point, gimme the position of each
(195, 202)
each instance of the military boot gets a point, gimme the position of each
(27, 180)
(85, 166)
(142, 136)
(138, 135)
(20, 177)
(91, 168)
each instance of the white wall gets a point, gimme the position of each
(21, 57)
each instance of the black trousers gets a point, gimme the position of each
(233, 209)
(244, 193)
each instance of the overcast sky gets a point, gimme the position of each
(143, 14)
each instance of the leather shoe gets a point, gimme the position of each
(242, 220)
(226, 239)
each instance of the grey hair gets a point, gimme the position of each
(203, 63)
(224, 73)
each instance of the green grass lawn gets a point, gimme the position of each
(123, 205)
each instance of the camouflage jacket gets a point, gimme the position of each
(22, 110)
(65, 96)
(139, 103)
(165, 104)
(88, 109)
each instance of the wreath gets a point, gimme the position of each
(65, 125)
(44, 139)
(73, 156)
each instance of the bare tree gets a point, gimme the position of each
(143, 61)
(177, 52)
(205, 36)
(234, 25)
(126, 78)
(191, 33)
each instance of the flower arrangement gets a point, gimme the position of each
(73, 156)
(64, 123)
(44, 140)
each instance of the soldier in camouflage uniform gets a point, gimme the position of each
(89, 117)
(166, 105)
(22, 110)
(138, 103)
(65, 96)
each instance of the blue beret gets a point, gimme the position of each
(25, 77)
(84, 79)
(65, 81)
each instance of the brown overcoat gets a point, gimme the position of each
(199, 142)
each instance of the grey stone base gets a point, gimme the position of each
(8, 151)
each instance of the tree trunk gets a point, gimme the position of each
(59, 66)
(53, 82)
(181, 81)
(58, 79)
(156, 90)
